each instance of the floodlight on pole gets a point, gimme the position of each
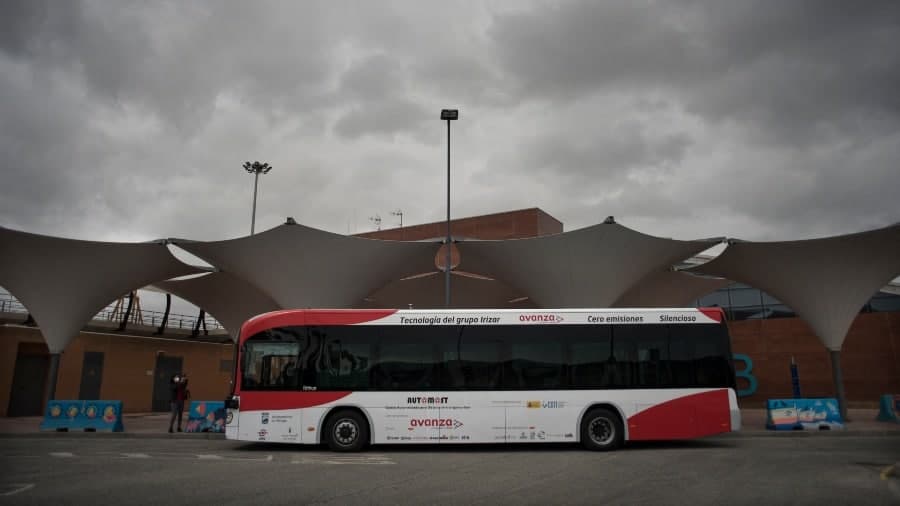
(448, 115)
(256, 169)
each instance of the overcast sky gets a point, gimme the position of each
(686, 119)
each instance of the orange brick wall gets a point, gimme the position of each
(870, 358)
(126, 362)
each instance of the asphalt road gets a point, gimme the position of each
(724, 471)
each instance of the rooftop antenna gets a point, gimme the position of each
(377, 220)
(398, 212)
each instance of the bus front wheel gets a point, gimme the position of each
(602, 430)
(347, 431)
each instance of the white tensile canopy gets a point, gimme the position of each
(229, 299)
(669, 289)
(65, 282)
(590, 267)
(825, 281)
(301, 267)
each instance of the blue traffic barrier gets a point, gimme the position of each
(803, 414)
(62, 415)
(103, 415)
(206, 416)
(889, 408)
(90, 416)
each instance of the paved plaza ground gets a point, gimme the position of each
(727, 470)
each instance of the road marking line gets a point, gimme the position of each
(21, 487)
(338, 460)
(62, 454)
(888, 471)
(210, 457)
(136, 455)
(267, 458)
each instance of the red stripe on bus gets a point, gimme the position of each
(714, 313)
(346, 316)
(296, 317)
(264, 401)
(691, 416)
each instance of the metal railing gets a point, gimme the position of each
(9, 304)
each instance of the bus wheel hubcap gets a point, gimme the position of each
(601, 431)
(345, 431)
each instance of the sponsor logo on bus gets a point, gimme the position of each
(427, 400)
(547, 404)
(447, 423)
(542, 318)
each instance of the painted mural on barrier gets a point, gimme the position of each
(803, 414)
(206, 416)
(92, 415)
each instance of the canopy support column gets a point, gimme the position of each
(52, 375)
(838, 382)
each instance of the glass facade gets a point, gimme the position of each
(742, 302)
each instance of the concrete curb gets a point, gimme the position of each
(810, 433)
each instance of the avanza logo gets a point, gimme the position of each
(541, 318)
(447, 423)
(427, 400)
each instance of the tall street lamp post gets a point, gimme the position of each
(256, 169)
(448, 115)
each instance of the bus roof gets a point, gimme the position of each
(300, 317)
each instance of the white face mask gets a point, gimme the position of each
(177, 379)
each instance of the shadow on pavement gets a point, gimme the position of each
(491, 447)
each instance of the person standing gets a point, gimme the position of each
(179, 393)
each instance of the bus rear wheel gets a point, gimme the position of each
(347, 431)
(602, 430)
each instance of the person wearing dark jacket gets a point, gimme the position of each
(179, 393)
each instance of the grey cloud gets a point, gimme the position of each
(618, 150)
(382, 118)
(786, 67)
(375, 77)
(575, 48)
(692, 118)
(176, 58)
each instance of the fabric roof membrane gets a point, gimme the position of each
(826, 281)
(590, 267)
(65, 282)
(301, 267)
(229, 299)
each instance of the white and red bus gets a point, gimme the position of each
(601, 377)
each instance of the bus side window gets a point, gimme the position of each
(681, 356)
(589, 356)
(343, 360)
(536, 360)
(479, 358)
